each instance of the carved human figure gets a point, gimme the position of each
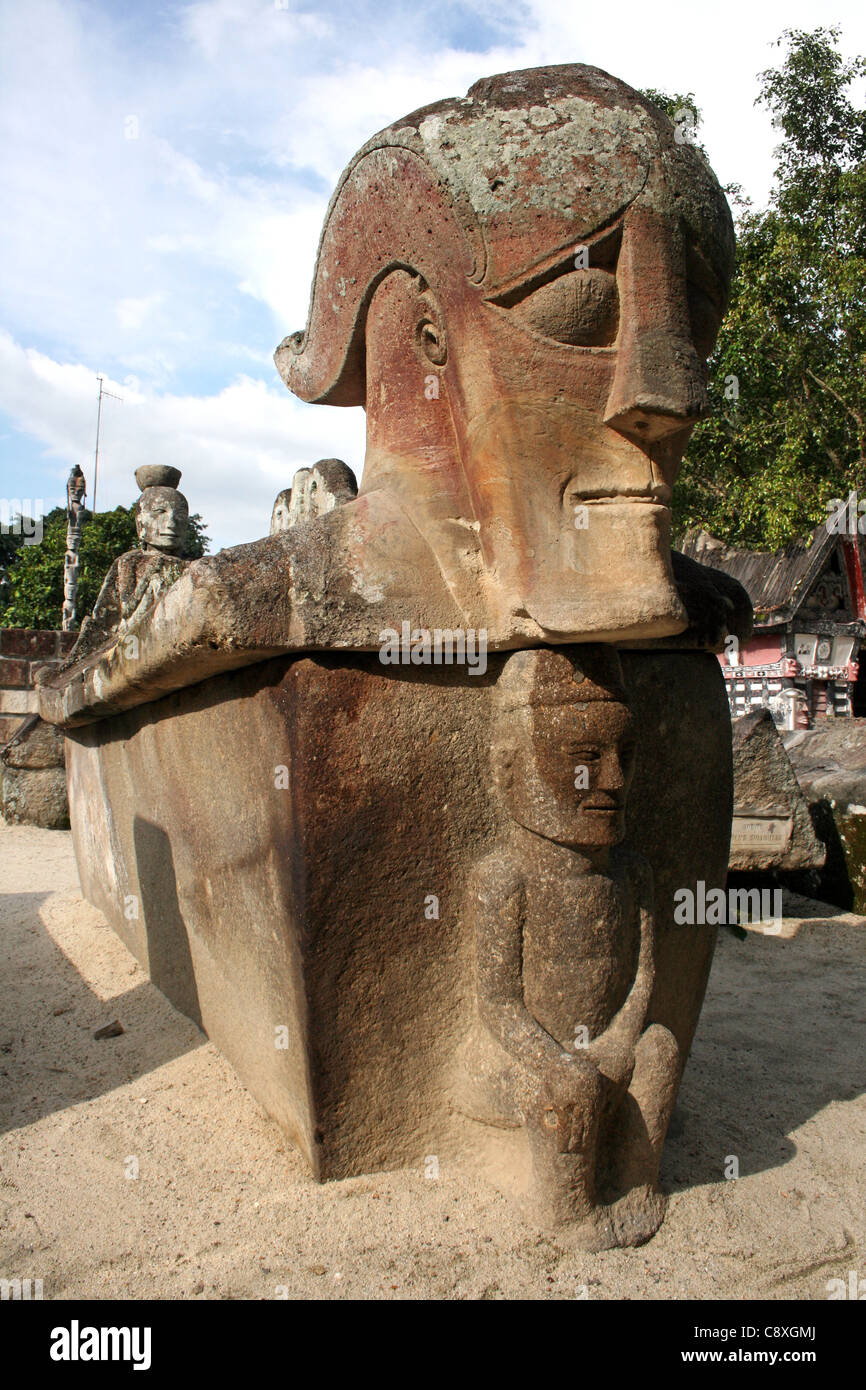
(280, 512)
(314, 492)
(76, 489)
(526, 322)
(563, 921)
(162, 520)
(137, 578)
(534, 360)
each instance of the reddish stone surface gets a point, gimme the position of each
(28, 642)
(14, 673)
(8, 724)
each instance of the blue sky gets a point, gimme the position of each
(166, 169)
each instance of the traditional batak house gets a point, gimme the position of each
(810, 620)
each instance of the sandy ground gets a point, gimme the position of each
(222, 1209)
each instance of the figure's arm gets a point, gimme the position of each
(98, 627)
(613, 1050)
(106, 610)
(495, 908)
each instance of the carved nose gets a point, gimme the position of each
(659, 384)
(612, 778)
(659, 387)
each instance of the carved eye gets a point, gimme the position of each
(580, 308)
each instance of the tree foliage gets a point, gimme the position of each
(36, 572)
(788, 374)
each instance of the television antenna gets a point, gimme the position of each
(102, 392)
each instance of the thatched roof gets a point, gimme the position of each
(777, 581)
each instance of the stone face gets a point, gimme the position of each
(280, 515)
(333, 898)
(137, 578)
(526, 321)
(541, 217)
(162, 519)
(772, 827)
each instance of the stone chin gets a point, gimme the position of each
(613, 580)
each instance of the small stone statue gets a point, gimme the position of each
(281, 514)
(564, 925)
(76, 491)
(137, 578)
(314, 491)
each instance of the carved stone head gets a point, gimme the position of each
(526, 319)
(317, 490)
(162, 519)
(563, 749)
(280, 516)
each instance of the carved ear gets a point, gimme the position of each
(389, 213)
(430, 330)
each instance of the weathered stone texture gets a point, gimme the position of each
(35, 797)
(306, 900)
(830, 763)
(772, 827)
(33, 788)
(394, 870)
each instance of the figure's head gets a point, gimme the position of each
(317, 490)
(563, 745)
(280, 516)
(527, 319)
(332, 483)
(162, 519)
(299, 497)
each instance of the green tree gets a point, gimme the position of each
(36, 573)
(13, 533)
(788, 375)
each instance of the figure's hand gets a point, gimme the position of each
(572, 1078)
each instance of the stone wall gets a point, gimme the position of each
(32, 769)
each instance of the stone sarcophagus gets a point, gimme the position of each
(395, 802)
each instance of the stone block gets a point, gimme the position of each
(42, 745)
(289, 850)
(14, 673)
(830, 763)
(32, 644)
(18, 702)
(35, 797)
(772, 828)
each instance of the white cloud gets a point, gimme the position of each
(177, 259)
(132, 312)
(237, 448)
